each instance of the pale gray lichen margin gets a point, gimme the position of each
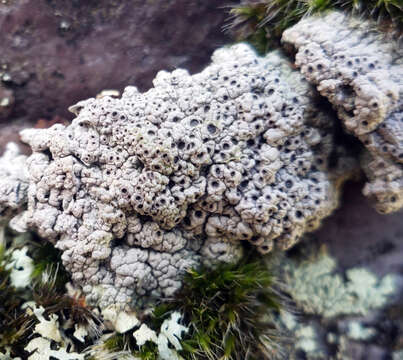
(361, 74)
(13, 182)
(137, 190)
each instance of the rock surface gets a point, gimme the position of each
(54, 53)
(357, 235)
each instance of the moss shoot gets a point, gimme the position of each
(261, 22)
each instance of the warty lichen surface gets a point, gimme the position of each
(138, 189)
(13, 182)
(361, 74)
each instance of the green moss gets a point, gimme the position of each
(46, 257)
(262, 22)
(117, 342)
(149, 351)
(47, 289)
(228, 310)
(125, 342)
(12, 328)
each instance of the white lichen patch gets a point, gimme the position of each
(42, 350)
(121, 321)
(21, 266)
(307, 340)
(144, 334)
(80, 332)
(173, 330)
(52, 342)
(168, 340)
(304, 337)
(48, 329)
(372, 292)
(316, 286)
(357, 331)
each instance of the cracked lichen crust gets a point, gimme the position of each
(138, 189)
(13, 182)
(361, 74)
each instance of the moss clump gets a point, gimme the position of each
(10, 301)
(46, 257)
(229, 311)
(118, 342)
(47, 294)
(262, 22)
(47, 289)
(149, 351)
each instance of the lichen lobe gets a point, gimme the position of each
(361, 74)
(138, 189)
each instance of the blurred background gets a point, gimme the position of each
(54, 53)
